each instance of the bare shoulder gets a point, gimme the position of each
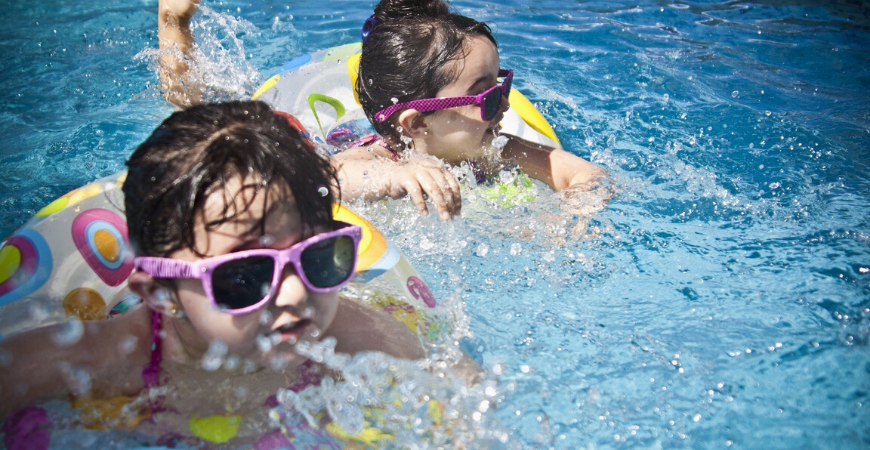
(48, 362)
(365, 152)
(360, 328)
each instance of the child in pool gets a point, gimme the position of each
(430, 80)
(418, 178)
(414, 52)
(234, 188)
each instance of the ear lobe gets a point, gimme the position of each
(158, 297)
(413, 123)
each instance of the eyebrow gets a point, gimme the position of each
(257, 227)
(481, 79)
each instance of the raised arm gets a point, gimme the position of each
(176, 44)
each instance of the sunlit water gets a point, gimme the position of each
(720, 300)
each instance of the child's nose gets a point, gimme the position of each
(292, 292)
(505, 104)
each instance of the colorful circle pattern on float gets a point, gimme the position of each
(101, 237)
(25, 265)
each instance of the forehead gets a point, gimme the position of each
(481, 60)
(243, 209)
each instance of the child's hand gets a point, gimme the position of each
(181, 10)
(421, 177)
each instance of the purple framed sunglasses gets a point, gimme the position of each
(489, 101)
(242, 282)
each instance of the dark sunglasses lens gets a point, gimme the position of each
(243, 282)
(329, 263)
(491, 104)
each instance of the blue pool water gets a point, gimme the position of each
(721, 299)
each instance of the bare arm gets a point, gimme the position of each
(107, 360)
(370, 176)
(176, 43)
(557, 168)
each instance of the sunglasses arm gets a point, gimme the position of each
(164, 267)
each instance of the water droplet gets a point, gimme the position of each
(278, 363)
(38, 312)
(127, 345)
(69, 332)
(232, 363)
(213, 357)
(394, 100)
(265, 317)
(241, 392)
(267, 240)
(77, 379)
(162, 299)
(500, 141)
(735, 94)
(323, 191)
(507, 176)
(264, 344)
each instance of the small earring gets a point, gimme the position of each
(166, 298)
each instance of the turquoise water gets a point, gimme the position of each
(720, 300)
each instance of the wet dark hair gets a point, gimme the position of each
(406, 55)
(196, 152)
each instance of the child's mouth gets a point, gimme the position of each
(293, 331)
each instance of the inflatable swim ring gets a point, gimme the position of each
(73, 258)
(318, 89)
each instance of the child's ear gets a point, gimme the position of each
(413, 123)
(158, 297)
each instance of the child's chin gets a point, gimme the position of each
(283, 358)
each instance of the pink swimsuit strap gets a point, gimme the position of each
(372, 139)
(151, 374)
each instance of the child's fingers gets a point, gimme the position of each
(450, 190)
(415, 191)
(432, 187)
(453, 187)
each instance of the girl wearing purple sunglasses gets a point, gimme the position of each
(430, 83)
(229, 211)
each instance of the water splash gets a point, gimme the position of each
(218, 64)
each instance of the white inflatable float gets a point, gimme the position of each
(318, 89)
